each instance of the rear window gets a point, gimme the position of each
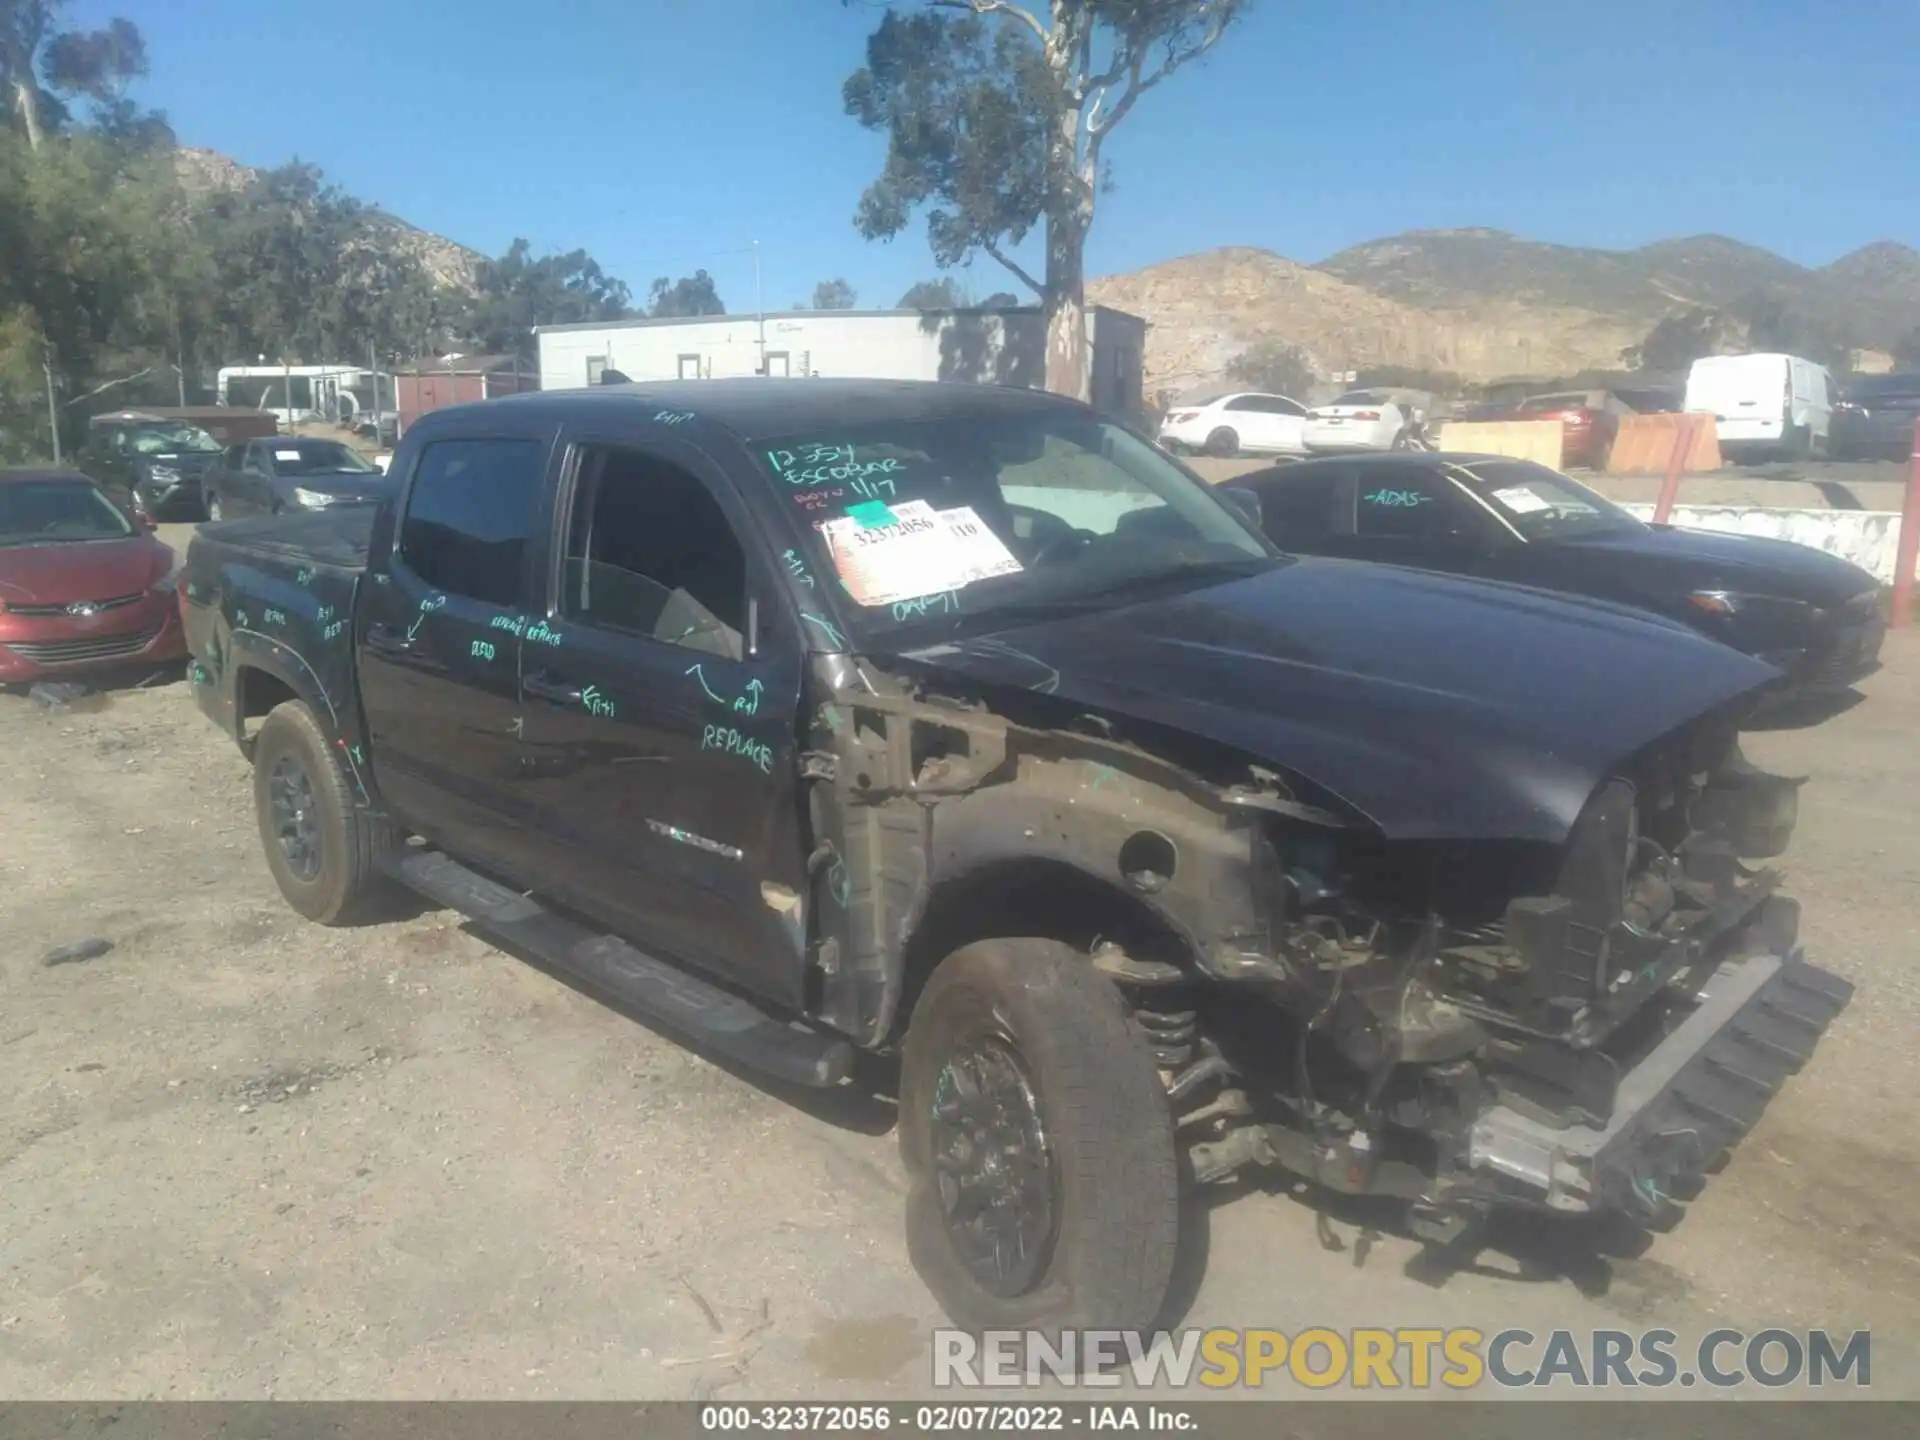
(1361, 397)
(1540, 403)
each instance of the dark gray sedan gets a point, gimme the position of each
(289, 472)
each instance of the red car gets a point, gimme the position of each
(1589, 419)
(83, 586)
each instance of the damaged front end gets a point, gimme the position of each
(1466, 1026)
(1586, 1029)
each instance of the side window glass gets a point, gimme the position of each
(1284, 406)
(1298, 508)
(651, 553)
(470, 516)
(235, 457)
(1404, 503)
(1243, 402)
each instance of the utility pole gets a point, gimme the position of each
(760, 307)
(53, 406)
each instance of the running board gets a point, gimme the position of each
(721, 1021)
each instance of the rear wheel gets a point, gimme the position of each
(1223, 443)
(1038, 1142)
(320, 844)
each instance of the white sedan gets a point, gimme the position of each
(1243, 422)
(1359, 420)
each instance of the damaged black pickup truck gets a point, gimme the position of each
(960, 724)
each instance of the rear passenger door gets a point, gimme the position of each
(662, 687)
(440, 614)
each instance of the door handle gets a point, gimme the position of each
(384, 640)
(543, 686)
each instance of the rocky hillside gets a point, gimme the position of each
(450, 264)
(1205, 309)
(1485, 304)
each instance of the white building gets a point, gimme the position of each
(1001, 347)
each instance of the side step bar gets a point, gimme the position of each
(722, 1022)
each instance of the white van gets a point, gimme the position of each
(1777, 403)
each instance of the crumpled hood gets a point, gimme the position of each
(1436, 707)
(82, 570)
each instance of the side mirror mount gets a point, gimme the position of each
(1244, 501)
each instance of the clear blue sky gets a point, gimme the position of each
(663, 134)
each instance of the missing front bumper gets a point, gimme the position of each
(1681, 1107)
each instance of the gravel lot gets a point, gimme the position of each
(246, 1157)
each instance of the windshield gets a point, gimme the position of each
(1542, 504)
(170, 440)
(930, 523)
(47, 512)
(321, 457)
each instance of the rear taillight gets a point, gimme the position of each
(1368, 415)
(1180, 417)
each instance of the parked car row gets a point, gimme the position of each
(1764, 406)
(1250, 423)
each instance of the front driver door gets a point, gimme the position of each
(1413, 514)
(660, 738)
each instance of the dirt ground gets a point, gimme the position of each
(245, 1157)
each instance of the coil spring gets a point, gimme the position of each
(1170, 1035)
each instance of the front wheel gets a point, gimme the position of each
(1043, 1186)
(320, 844)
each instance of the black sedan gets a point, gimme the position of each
(1874, 419)
(289, 472)
(1812, 615)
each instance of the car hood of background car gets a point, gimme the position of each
(345, 484)
(1707, 560)
(80, 570)
(1433, 706)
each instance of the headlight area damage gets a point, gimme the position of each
(1465, 1025)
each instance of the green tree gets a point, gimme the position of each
(834, 295)
(689, 295)
(44, 66)
(996, 119)
(1274, 368)
(945, 293)
(517, 292)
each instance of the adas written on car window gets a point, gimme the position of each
(922, 519)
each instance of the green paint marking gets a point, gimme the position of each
(872, 515)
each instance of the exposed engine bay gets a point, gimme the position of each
(1464, 1025)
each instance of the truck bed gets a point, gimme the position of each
(268, 608)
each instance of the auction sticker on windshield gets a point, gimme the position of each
(922, 551)
(1521, 500)
(286, 454)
